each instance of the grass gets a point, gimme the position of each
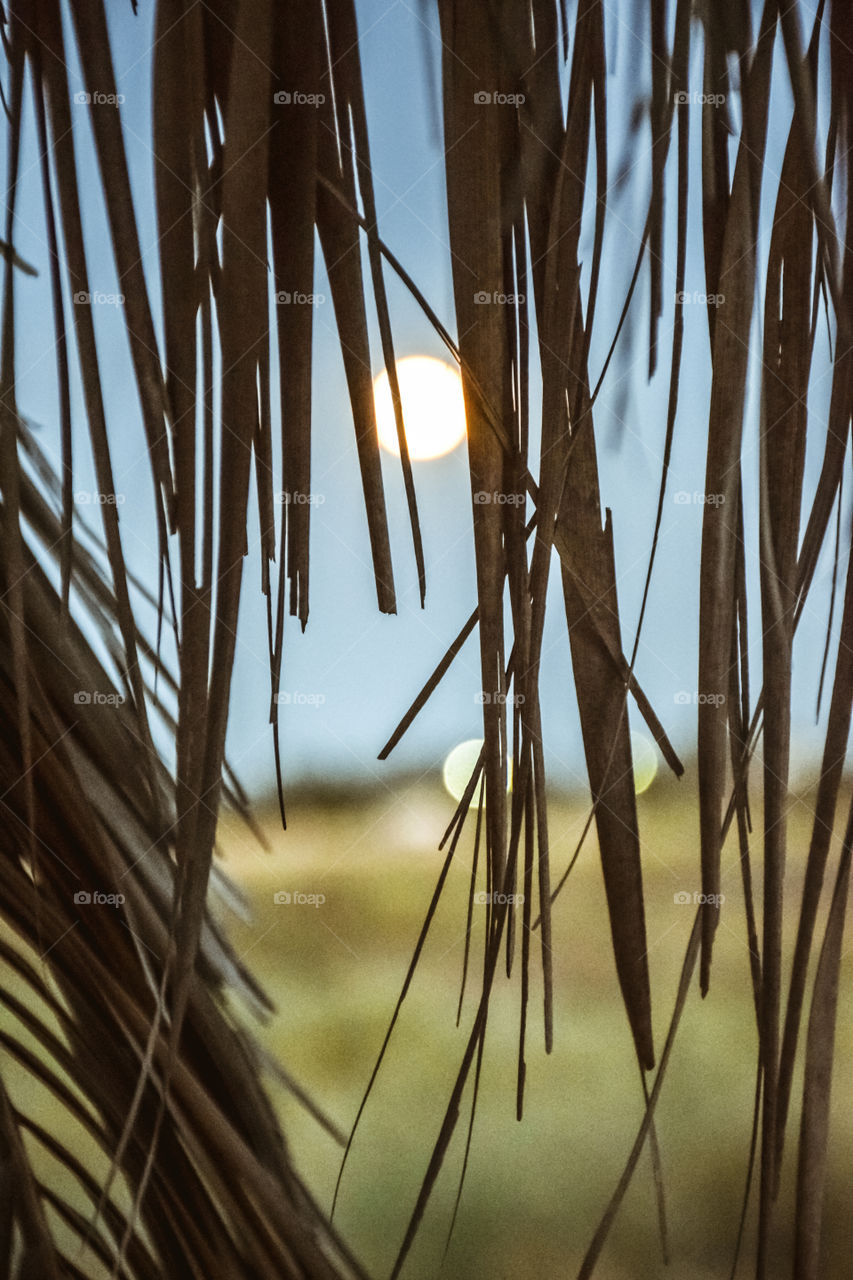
(535, 1190)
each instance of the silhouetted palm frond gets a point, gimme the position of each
(88, 886)
(259, 139)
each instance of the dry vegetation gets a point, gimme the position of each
(122, 1013)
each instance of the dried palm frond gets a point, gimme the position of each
(517, 203)
(88, 887)
(119, 992)
(260, 141)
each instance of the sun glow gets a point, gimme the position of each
(461, 763)
(645, 762)
(459, 766)
(433, 408)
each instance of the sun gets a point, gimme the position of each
(459, 766)
(461, 763)
(645, 762)
(433, 408)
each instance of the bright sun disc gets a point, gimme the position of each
(433, 408)
(645, 762)
(459, 766)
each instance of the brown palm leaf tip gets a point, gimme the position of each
(178, 1166)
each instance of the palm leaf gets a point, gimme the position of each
(170, 1161)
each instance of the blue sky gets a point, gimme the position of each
(354, 672)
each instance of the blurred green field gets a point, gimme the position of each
(535, 1191)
